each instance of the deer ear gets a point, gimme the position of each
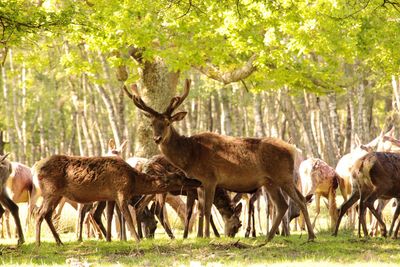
(122, 147)
(238, 209)
(111, 144)
(179, 116)
(153, 208)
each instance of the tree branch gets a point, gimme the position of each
(235, 75)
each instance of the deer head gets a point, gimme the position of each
(160, 122)
(113, 150)
(233, 224)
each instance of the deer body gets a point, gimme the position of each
(89, 179)
(236, 164)
(5, 171)
(320, 179)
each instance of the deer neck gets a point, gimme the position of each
(177, 149)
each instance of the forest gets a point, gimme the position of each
(318, 74)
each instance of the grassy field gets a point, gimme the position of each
(346, 249)
(282, 251)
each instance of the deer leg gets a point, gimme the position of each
(139, 221)
(46, 209)
(97, 216)
(7, 223)
(159, 211)
(201, 204)
(281, 207)
(2, 210)
(121, 223)
(252, 201)
(215, 230)
(362, 215)
(191, 196)
(209, 200)
(395, 216)
(317, 208)
(52, 228)
(110, 214)
(396, 231)
(123, 205)
(13, 208)
(82, 210)
(344, 207)
(369, 202)
(249, 214)
(299, 199)
(343, 191)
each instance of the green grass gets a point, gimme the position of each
(282, 251)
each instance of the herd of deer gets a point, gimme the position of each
(205, 167)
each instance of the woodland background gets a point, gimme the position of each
(315, 72)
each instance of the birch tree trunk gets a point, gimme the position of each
(226, 119)
(259, 130)
(306, 121)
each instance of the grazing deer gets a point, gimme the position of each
(5, 171)
(159, 166)
(90, 179)
(236, 164)
(320, 179)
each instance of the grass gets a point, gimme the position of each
(282, 251)
(326, 251)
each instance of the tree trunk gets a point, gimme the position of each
(259, 130)
(159, 86)
(226, 119)
(307, 125)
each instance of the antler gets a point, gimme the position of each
(4, 157)
(137, 100)
(177, 100)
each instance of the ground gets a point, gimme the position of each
(282, 251)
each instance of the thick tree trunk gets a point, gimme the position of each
(159, 86)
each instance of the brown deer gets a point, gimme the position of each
(90, 179)
(377, 175)
(236, 164)
(347, 167)
(159, 165)
(5, 171)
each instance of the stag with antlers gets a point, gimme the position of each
(233, 163)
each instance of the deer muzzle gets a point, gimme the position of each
(157, 139)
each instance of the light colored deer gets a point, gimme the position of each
(20, 189)
(236, 164)
(320, 179)
(5, 171)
